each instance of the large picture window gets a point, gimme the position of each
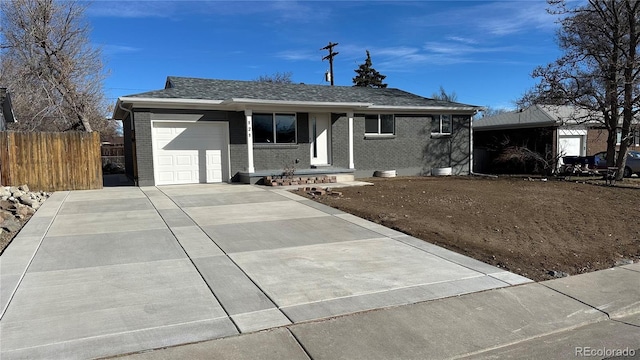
(274, 128)
(379, 124)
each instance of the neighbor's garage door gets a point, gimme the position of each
(188, 153)
(571, 145)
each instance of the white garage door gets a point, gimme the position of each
(189, 153)
(571, 145)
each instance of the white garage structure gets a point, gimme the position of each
(190, 152)
(572, 142)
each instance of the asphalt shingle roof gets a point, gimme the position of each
(213, 89)
(534, 116)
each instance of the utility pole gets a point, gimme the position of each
(330, 58)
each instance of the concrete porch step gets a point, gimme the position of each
(341, 174)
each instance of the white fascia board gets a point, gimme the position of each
(138, 101)
(285, 103)
(438, 109)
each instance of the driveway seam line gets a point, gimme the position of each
(277, 306)
(191, 260)
(578, 300)
(33, 256)
(625, 323)
(300, 343)
(634, 270)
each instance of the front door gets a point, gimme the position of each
(320, 136)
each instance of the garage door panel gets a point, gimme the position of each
(187, 176)
(164, 160)
(164, 131)
(165, 176)
(178, 149)
(186, 160)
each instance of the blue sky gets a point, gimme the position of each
(484, 51)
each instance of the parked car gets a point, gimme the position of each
(632, 166)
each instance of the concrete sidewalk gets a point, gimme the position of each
(592, 315)
(122, 270)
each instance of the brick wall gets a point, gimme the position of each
(411, 151)
(597, 141)
(144, 150)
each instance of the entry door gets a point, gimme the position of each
(320, 136)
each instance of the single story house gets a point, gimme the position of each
(205, 130)
(6, 110)
(550, 130)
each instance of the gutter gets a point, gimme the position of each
(241, 102)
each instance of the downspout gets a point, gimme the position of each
(133, 140)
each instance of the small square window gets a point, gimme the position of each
(441, 124)
(379, 124)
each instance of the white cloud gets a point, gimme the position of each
(132, 9)
(497, 18)
(111, 49)
(299, 55)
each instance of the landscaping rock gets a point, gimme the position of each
(28, 200)
(4, 192)
(11, 225)
(17, 204)
(622, 262)
(558, 274)
(5, 214)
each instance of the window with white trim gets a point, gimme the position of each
(275, 128)
(379, 124)
(442, 125)
(618, 136)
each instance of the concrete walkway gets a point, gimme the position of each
(123, 270)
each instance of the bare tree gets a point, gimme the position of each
(442, 94)
(598, 72)
(54, 73)
(493, 111)
(277, 78)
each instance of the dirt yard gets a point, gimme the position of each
(534, 228)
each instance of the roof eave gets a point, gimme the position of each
(305, 104)
(479, 127)
(427, 108)
(245, 103)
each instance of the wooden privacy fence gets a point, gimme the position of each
(51, 161)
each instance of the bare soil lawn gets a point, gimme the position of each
(528, 227)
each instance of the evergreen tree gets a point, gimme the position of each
(368, 76)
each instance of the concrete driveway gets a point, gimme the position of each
(119, 270)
